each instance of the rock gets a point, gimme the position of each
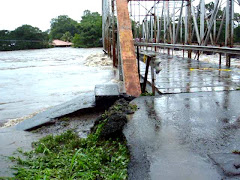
(114, 126)
(116, 118)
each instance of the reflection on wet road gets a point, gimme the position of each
(185, 75)
(177, 132)
(36, 79)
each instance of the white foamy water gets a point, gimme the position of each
(98, 59)
(32, 80)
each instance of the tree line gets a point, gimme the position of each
(83, 34)
(23, 37)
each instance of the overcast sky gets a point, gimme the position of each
(38, 13)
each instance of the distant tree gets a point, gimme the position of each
(90, 30)
(67, 37)
(28, 32)
(237, 18)
(4, 34)
(23, 37)
(61, 25)
(209, 7)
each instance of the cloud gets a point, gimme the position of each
(39, 13)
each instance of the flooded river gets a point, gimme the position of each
(33, 80)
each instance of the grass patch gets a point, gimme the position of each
(65, 119)
(147, 94)
(67, 156)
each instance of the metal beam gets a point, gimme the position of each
(221, 25)
(179, 24)
(195, 24)
(215, 49)
(211, 22)
(174, 31)
(202, 15)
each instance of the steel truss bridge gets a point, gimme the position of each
(141, 26)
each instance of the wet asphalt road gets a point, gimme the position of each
(172, 136)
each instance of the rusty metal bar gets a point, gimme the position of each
(215, 49)
(113, 37)
(127, 50)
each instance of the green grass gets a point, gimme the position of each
(67, 156)
(147, 94)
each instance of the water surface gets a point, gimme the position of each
(31, 80)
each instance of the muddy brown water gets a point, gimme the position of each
(33, 80)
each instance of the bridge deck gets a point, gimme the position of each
(180, 75)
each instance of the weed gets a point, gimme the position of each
(133, 107)
(66, 156)
(65, 119)
(147, 94)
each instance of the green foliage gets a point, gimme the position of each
(133, 107)
(27, 32)
(65, 119)
(61, 25)
(67, 37)
(90, 31)
(66, 156)
(147, 94)
(23, 37)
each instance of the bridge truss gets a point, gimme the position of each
(160, 23)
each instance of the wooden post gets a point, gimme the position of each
(127, 50)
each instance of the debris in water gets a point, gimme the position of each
(13, 122)
(98, 59)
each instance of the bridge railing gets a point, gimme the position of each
(213, 49)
